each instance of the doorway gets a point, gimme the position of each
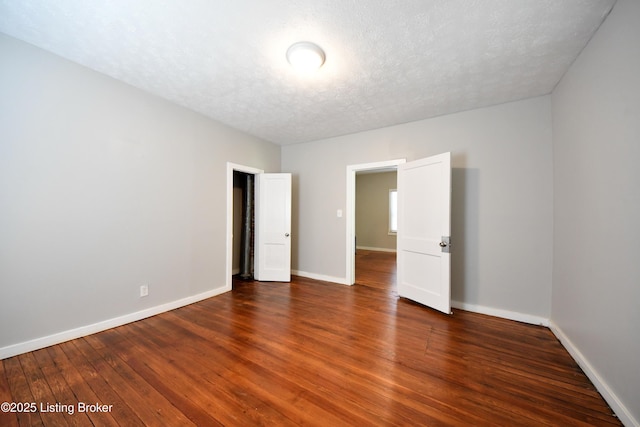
(424, 228)
(352, 170)
(234, 206)
(243, 224)
(376, 228)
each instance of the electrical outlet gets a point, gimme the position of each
(144, 290)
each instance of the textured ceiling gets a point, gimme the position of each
(388, 62)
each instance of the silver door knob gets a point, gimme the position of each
(443, 245)
(286, 234)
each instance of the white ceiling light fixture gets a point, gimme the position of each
(305, 56)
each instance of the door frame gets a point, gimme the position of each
(231, 167)
(350, 214)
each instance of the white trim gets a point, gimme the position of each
(350, 216)
(229, 264)
(57, 338)
(368, 248)
(621, 411)
(505, 314)
(321, 277)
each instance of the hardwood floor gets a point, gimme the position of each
(308, 353)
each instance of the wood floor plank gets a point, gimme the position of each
(7, 418)
(92, 387)
(182, 386)
(21, 393)
(314, 353)
(550, 384)
(131, 388)
(42, 394)
(62, 393)
(156, 367)
(343, 372)
(267, 386)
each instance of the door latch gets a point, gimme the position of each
(445, 244)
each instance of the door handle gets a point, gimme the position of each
(286, 234)
(443, 245)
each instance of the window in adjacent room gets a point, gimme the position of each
(393, 211)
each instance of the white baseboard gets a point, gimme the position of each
(322, 277)
(368, 248)
(38, 343)
(505, 314)
(616, 405)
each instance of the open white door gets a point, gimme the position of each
(272, 257)
(424, 225)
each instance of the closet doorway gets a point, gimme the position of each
(236, 184)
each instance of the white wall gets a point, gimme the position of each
(596, 274)
(103, 188)
(502, 199)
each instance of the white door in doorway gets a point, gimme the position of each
(272, 258)
(424, 225)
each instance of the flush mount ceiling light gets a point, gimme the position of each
(305, 56)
